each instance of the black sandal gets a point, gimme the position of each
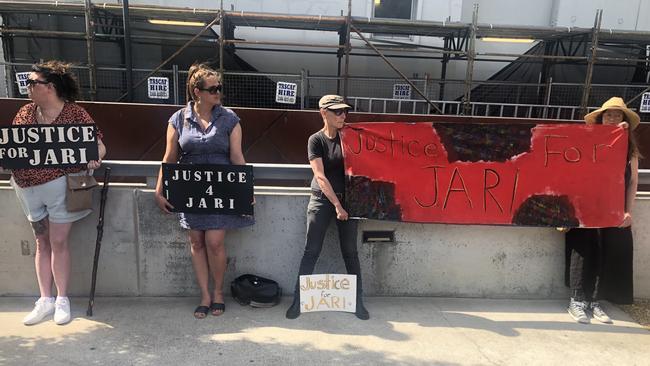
(217, 306)
(201, 312)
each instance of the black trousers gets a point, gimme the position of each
(600, 264)
(320, 212)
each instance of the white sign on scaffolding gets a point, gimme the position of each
(158, 87)
(286, 92)
(401, 91)
(21, 80)
(645, 103)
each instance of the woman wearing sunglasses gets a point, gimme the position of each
(204, 132)
(326, 201)
(53, 90)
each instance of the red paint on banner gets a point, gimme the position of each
(541, 175)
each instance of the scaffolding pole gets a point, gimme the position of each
(339, 57)
(443, 71)
(590, 64)
(90, 47)
(49, 33)
(222, 33)
(346, 69)
(128, 61)
(471, 55)
(215, 20)
(637, 96)
(396, 69)
(298, 44)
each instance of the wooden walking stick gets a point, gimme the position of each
(98, 243)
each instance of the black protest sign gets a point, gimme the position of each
(48, 146)
(209, 188)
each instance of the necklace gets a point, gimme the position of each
(203, 121)
(43, 118)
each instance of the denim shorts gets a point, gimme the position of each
(47, 199)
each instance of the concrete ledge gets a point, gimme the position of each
(145, 253)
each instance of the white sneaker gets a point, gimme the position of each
(43, 307)
(61, 310)
(598, 313)
(577, 310)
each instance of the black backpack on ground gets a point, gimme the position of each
(256, 291)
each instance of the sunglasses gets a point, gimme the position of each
(213, 89)
(33, 82)
(338, 112)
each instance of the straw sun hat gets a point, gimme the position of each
(615, 103)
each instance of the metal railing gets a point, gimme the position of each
(150, 169)
(368, 94)
(269, 172)
(454, 107)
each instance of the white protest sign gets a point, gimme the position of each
(645, 103)
(158, 87)
(401, 91)
(286, 92)
(21, 79)
(328, 292)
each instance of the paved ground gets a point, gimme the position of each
(407, 331)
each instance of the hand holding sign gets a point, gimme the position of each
(163, 204)
(341, 214)
(627, 220)
(94, 164)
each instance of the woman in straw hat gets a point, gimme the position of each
(601, 259)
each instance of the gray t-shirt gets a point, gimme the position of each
(320, 146)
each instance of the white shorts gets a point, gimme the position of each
(47, 199)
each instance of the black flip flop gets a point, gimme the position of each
(216, 306)
(203, 310)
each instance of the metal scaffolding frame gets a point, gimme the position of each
(561, 44)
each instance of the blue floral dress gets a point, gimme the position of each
(211, 146)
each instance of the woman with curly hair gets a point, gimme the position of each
(53, 90)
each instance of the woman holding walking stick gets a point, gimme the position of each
(204, 132)
(53, 90)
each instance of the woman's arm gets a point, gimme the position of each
(171, 156)
(326, 187)
(236, 154)
(631, 192)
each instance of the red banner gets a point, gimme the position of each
(511, 174)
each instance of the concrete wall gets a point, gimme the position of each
(145, 253)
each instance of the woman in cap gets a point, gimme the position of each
(326, 201)
(601, 259)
